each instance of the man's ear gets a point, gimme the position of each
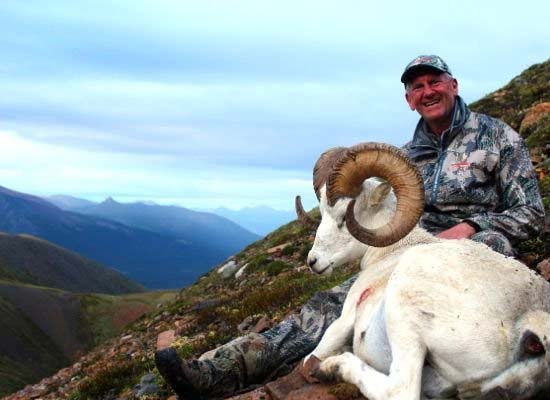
(408, 98)
(454, 86)
(379, 194)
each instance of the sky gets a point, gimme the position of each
(228, 103)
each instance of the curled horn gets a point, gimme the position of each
(367, 160)
(323, 167)
(303, 217)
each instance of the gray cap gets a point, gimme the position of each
(429, 63)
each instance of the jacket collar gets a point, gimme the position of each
(425, 142)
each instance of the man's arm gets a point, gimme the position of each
(463, 230)
(521, 213)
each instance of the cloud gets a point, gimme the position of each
(145, 94)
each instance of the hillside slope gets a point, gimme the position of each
(524, 103)
(45, 329)
(31, 260)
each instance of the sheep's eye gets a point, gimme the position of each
(532, 345)
(342, 222)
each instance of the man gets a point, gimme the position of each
(477, 172)
(479, 184)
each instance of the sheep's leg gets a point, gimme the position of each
(335, 339)
(403, 383)
(520, 381)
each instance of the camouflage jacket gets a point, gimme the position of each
(478, 170)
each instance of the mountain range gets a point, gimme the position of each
(187, 226)
(156, 259)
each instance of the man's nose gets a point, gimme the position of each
(428, 91)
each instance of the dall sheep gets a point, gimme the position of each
(427, 317)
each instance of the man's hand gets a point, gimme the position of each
(459, 231)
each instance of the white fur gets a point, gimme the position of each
(442, 317)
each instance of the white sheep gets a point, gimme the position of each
(426, 315)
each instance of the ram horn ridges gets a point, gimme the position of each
(302, 215)
(323, 167)
(367, 160)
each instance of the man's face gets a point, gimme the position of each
(433, 97)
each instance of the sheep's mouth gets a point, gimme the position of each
(321, 272)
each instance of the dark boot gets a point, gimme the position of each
(196, 379)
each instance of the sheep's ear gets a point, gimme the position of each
(379, 194)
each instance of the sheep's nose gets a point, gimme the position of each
(311, 261)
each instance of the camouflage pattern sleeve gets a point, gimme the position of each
(520, 214)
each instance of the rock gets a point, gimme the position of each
(280, 388)
(258, 394)
(277, 249)
(240, 272)
(165, 339)
(262, 325)
(312, 392)
(183, 325)
(204, 304)
(534, 114)
(245, 326)
(37, 391)
(125, 338)
(544, 268)
(146, 386)
(228, 269)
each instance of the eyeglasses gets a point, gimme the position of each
(433, 83)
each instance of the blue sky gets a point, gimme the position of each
(228, 103)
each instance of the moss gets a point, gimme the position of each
(532, 86)
(538, 135)
(544, 186)
(289, 250)
(276, 267)
(304, 251)
(257, 262)
(112, 379)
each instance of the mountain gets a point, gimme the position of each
(191, 227)
(68, 203)
(152, 259)
(260, 220)
(26, 259)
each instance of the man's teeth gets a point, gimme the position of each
(431, 103)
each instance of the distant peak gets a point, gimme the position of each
(109, 200)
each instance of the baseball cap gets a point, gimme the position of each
(424, 63)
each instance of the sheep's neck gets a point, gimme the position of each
(414, 237)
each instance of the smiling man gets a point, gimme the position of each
(478, 176)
